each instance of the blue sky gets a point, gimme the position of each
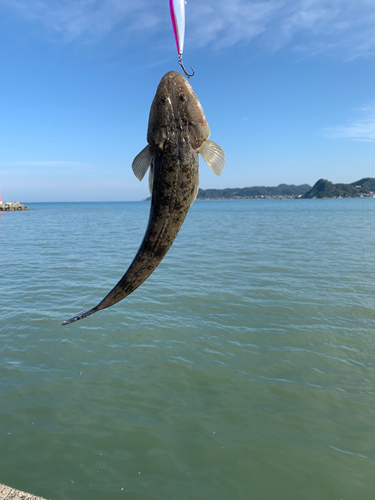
(287, 87)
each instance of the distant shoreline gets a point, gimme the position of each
(364, 188)
(322, 189)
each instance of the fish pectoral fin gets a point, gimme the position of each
(195, 190)
(151, 177)
(213, 155)
(142, 161)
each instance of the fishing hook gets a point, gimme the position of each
(183, 67)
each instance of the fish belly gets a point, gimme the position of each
(175, 177)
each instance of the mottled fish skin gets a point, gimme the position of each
(177, 128)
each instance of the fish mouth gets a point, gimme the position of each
(173, 75)
(173, 82)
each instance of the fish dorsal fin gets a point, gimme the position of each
(142, 161)
(151, 177)
(213, 155)
(195, 190)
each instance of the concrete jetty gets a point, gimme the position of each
(7, 493)
(12, 206)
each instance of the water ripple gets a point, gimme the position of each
(241, 369)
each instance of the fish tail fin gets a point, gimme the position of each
(81, 315)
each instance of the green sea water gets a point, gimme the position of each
(242, 369)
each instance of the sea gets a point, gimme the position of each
(242, 369)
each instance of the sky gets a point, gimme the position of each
(287, 86)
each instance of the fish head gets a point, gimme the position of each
(176, 108)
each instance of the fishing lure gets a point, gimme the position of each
(177, 8)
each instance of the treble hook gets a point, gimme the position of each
(183, 67)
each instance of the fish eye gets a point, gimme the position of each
(183, 97)
(163, 99)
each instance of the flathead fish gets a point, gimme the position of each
(177, 132)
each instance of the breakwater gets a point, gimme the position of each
(12, 206)
(7, 493)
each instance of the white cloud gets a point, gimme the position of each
(362, 129)
(226, 23)
(343, 27)
(74, 18)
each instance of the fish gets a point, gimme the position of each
(177, 132)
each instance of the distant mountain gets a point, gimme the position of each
(254, 192)
(326, 189)
(321, 189)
